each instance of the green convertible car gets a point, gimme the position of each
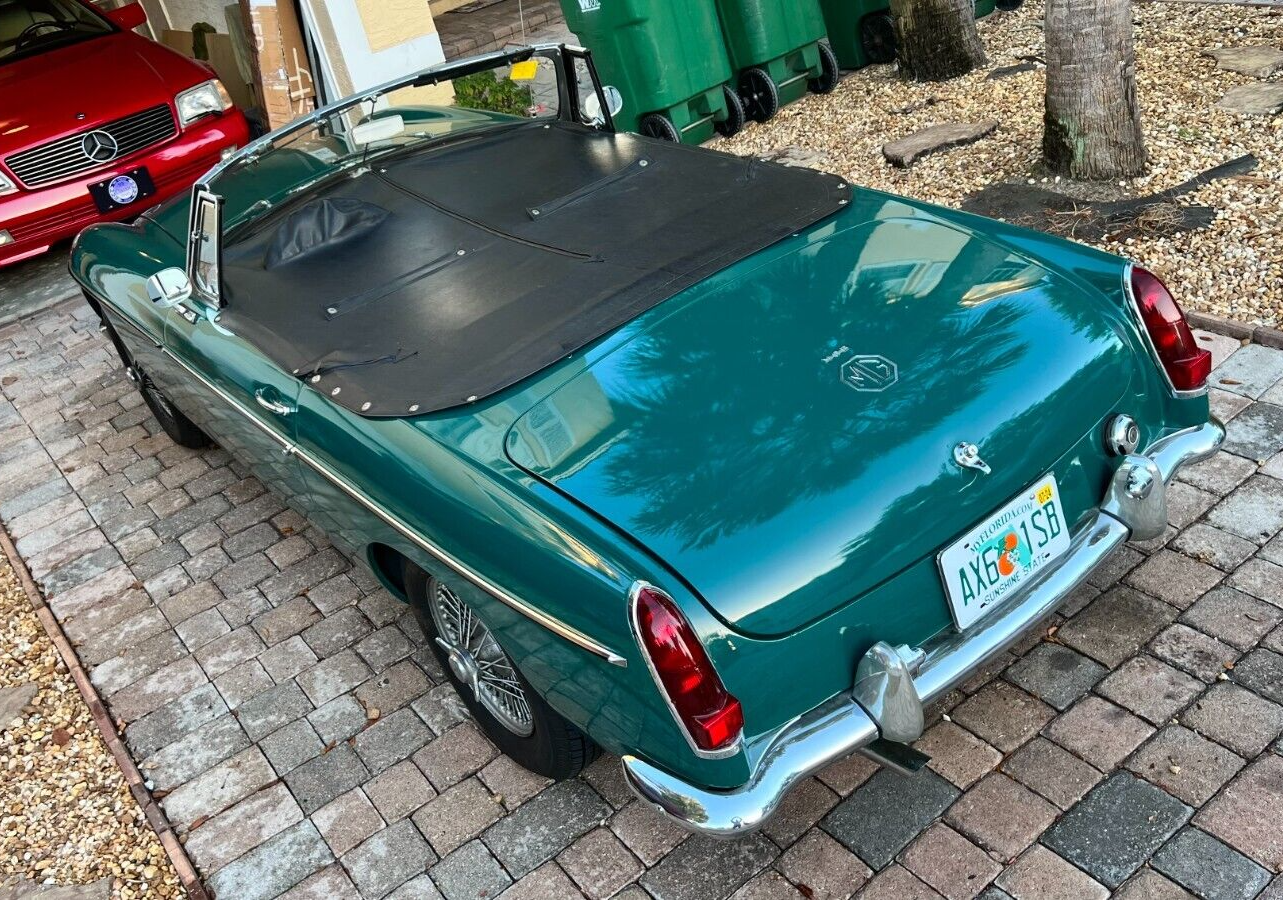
(725, 467)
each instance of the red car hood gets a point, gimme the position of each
(104, 78)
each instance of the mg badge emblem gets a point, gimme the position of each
(869, 373)
(99, 146)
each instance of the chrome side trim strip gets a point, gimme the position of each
(554, 625)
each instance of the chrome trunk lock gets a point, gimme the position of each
(967, 455)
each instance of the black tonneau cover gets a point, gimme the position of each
(443, 277)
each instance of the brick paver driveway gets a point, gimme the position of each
(302, 739)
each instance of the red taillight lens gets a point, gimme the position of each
(711, 716)
(1186, 363)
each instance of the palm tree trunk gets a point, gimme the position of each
(936, 39)
(1092, 122)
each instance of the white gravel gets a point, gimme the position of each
(1234, 268)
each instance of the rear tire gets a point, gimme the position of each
(877, 38)
(551, 745)
(181, 430)
(735, 118)
(828, 77)
(659, 126)
(760, 95)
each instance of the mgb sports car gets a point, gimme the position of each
(723, 467)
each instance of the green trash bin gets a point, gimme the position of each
(668, 62)
(777, 52)
(861, 33)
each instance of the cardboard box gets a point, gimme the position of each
(283, 76)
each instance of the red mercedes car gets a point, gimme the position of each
(96, 122)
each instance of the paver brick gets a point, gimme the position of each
(944, 859)
(331, 883)
(1210, 869)
(1184, 764)
(286, 620)
(387, 860)
(205, 747)
(1247, 813)
(1256, 433)
(399, 791)
(1099, 732)
(317, 782)
(1233, 617)
(881, 817)
(1261, 579)
(242, 683)
(1211, 545)
(1151, 689)
(391, 739)
(1236, 718)
(1003, 715)
(216, 789)
(155, 690)
(225, 653)
(1254, 511)
(336, 632)
(272, 709)
(1174, 578)
(274, 866)
(1262, 671)
(1040, 874)
(1052, 772)
(1117, 827)
(334, 676)
(242, 827)
(455, 755)
(542, 827)
(1218, 474)
(285, 660)
(394, 688)
(1001, 815)
(471, 871)
(347, 821)
(289, 747)
(702, 868)
(1055, 674)
(957, 754)
(1147, 884)
(1192, 651)
(804, 806)
(384, 647)
(458, 815)
(202, 628)
(600, 864)
(1186, 503)
(173, 721)
(898, 883)
(339, 719)
(1116, 625)
(137, 662)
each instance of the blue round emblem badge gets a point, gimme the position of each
(122, 189)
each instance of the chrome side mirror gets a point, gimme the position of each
(169, 287)
(592, 106)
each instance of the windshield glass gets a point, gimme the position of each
(435, 108)
(28, 27)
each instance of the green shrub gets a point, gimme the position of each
(483, 90)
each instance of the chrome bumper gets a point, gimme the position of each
(894, 684)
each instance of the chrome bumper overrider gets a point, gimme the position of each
(893, 684)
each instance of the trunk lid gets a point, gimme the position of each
(783, 439)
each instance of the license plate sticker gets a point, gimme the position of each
(984, 566)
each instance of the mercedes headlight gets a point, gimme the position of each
(6, 185)
(202, 100)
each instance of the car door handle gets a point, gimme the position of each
(277, 406)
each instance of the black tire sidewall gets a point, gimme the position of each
(555, 749)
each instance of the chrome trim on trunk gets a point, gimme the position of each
(842, 726)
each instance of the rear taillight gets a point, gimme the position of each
(712, 718)
(1187, 365)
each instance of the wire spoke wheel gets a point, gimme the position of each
(478, 661)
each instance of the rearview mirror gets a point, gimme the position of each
(592, 105)
(129, 16)
(379, 129)
(169, 287)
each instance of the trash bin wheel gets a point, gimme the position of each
(735, 117)
(658, 125)
(827, 80)
(877, 37)
(761, 97)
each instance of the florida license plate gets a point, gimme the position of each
(984, 566)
